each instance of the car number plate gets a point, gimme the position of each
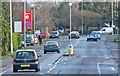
(50, 46)
(25, 65)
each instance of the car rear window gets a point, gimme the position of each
(25, 54)
(50, 43)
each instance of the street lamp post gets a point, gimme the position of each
(11, 26)
(34, 22)
(70, 4)
(82, 16)
(24, 24)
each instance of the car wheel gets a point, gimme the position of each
(37, 69)
(96, 40)
(15, 70)
(32, 44)
(58, 51)
(87, 40)
(45, 52)
(99, 38)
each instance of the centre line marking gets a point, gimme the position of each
(98, 69)
(112, 68)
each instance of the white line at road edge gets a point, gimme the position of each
(98, 69)
(2, 72)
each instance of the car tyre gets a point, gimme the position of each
(32, 44)
(58, 51)
(15, 70)
(37, 69)
(45, 52)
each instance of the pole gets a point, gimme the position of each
(112, 14)
(24, 24)
(70, 24)
(11, 27)
(34, 23)
(82, 16)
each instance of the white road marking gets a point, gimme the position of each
(5, 67)
(106, 57)
(65, 63)
(112, 68)
(98, 68)
(58, 61)
(49, 64)
(2, 72)
(49, 70)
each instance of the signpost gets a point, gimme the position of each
(28, 20)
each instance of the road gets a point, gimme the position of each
(91, 58)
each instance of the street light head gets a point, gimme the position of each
(70, 4)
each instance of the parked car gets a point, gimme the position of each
(91, 37)
(45, 35)
(54, 34)
(97, 33)
(74, 34)
(51, 46)
(26, 59)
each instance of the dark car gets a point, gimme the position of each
(29, 41)
(97, 33)
(51, 46)
(91, 37)
(25, 59)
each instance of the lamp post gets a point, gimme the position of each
(24, 24)
(70, 4)
(11, 27)
(34, 22)
(82, 16)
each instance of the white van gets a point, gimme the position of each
(106, 30)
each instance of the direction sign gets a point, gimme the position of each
(28, 20)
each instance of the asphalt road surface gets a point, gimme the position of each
(90, 58)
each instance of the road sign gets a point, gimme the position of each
(28, 18)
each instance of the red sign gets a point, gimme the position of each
(28, 20)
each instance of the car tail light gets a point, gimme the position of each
(36, 62)
(35, 57)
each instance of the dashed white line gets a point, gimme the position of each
(112, 68)
(98, 68)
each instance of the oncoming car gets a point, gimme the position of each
(97, 33)
(51, 46)
(74, 34)
(26, 59)
(91, 37)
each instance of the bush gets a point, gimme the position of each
(5, 36)
(16, 41)
(64, 33)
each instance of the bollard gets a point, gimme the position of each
(70, 50)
